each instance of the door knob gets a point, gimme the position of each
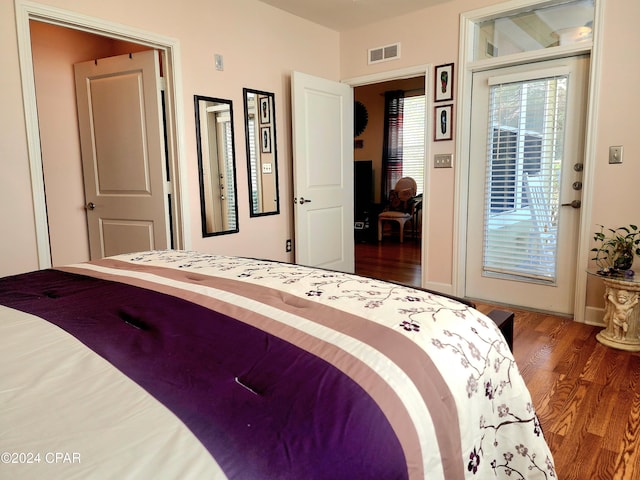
(303, 201)
(574, 204)
(90, 206)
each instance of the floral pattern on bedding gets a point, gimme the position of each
(502, 436)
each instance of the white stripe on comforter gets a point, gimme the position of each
(58, 396)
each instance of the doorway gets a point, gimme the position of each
(28, 14)
(527, 125)
(391, 259)
(122, 141)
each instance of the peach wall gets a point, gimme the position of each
(430, 36)
(203, 28)
(616, 196)
(17, 241)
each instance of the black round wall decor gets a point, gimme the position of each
(360, 118)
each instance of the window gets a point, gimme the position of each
(227, 170)
(253, 172)
(524, 151)
(507, 161)
(413, 133)
(535, 28)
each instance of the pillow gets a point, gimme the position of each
(405, 194)
(400, 201)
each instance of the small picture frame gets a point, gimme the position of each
(265, 110)
(443, 85)
(265, 139)
(443, 123)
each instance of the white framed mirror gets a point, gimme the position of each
(216, 165)
(262, 156)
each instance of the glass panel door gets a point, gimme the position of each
(527, 133)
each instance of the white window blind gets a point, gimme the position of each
(253, 172)
(229, 182)
(524, 156)
(413, 133)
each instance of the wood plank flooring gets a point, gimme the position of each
(390, 260)
(587, 395)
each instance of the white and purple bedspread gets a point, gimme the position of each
(206, 366)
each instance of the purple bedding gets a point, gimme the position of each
(280, 371)
(236, 387)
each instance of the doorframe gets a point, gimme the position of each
(463, 124)
(168, 47)
(401, 74)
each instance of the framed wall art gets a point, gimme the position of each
(265, 139)
(443, 88)
(443, 123)
(265, 110)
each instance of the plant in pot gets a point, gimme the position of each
(615, 248)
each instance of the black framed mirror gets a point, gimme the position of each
(216, 165)
(262, 157)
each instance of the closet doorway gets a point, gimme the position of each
(60, 222)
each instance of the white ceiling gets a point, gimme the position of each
(346, 14)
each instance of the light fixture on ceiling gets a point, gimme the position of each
(570, 35)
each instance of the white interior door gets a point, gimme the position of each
(323, 172)
(123, 156)
(527, 137)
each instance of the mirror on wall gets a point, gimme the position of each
(262, 162)
(216, 165)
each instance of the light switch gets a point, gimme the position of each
(266, 168)
(442, 160)
(219, 62)
(615, 154)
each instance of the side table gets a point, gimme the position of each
(504, 321)
(621, 312)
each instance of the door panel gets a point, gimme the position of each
(513, 172)
(123, 160)
(118, 236)
(323, 172)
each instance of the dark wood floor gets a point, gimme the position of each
(587, 395)
(390, 260)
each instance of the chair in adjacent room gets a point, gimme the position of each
(401, 206)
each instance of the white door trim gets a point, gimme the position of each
(26, 11)
(409, 72)
(466, 69)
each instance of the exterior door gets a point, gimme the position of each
(527, 137)
(323, 172)
(123, 156)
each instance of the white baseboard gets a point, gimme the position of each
(445, 288)
(594, 316)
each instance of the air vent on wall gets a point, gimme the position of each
(384, 54)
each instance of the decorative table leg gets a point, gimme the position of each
(621, 315)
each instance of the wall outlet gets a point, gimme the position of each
(287, 247)
(443, 160)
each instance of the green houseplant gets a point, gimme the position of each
(615, 248)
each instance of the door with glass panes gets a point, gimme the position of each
(527, 137)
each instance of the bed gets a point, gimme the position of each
(174, 364)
